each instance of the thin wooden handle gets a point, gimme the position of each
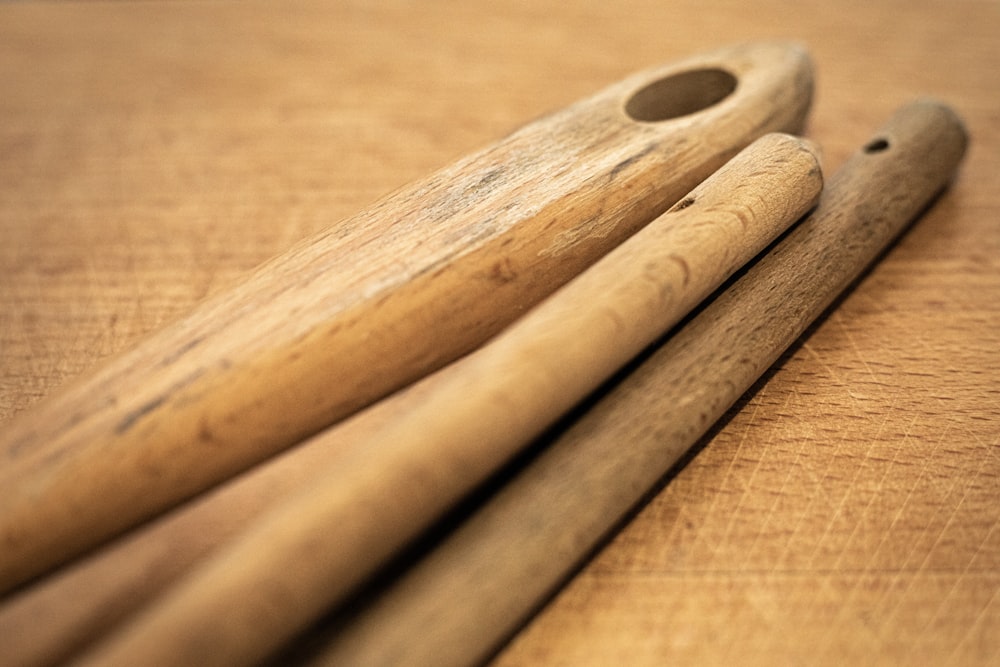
(471, 418)
(377, 301)
(479, 585)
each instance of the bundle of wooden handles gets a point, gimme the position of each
(463, 316)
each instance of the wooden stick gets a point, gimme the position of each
(470, 419)
(477, 587)
(377, 301)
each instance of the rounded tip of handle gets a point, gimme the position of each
(815, 148)
(917, 122)
(795, 141)
(931, 105)
(768, 82)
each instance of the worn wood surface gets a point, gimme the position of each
(466, 422)
(553, 510)
(377, 300)
(846, 510)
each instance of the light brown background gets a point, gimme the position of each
(151, 153)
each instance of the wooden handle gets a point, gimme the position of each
(470, 418)
(377, 301)
(477, 587)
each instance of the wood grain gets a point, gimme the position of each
(844, 511)
(516, 549)
(468, 420)
(377, 300)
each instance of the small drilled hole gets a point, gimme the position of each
(877, 146)
(680, 95)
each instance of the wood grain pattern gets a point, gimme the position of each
(527, 538)
(843, 512)
(468, 420)
(377, 300)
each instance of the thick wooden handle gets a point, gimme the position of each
(377, 301)
(470, 418)
(478, 586)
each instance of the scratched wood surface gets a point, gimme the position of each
(847, 509)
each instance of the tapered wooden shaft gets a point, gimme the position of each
(470, 419)
(484, 580)
(377, 301)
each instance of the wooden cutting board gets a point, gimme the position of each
(846, 510)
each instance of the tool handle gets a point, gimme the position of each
(376, 301)
(466, 421)
(478, 586)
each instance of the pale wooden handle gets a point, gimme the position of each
(478, 586)
(471, 418)
(377, 301)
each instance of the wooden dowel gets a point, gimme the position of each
(469, 419)
(376, 301)
(477, 587)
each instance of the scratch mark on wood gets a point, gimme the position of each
(182, 350)
(629, 161)
(682, 204)
(135, 415)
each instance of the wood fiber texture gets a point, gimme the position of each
(844, 511)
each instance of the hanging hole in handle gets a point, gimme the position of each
(877, 145)
(680, 94)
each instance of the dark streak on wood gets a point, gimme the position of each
(131, 418)
(182, 350)
(629, 161)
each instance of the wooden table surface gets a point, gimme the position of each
(846, 511)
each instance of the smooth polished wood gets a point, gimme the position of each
(376, 301)
(845, 511)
